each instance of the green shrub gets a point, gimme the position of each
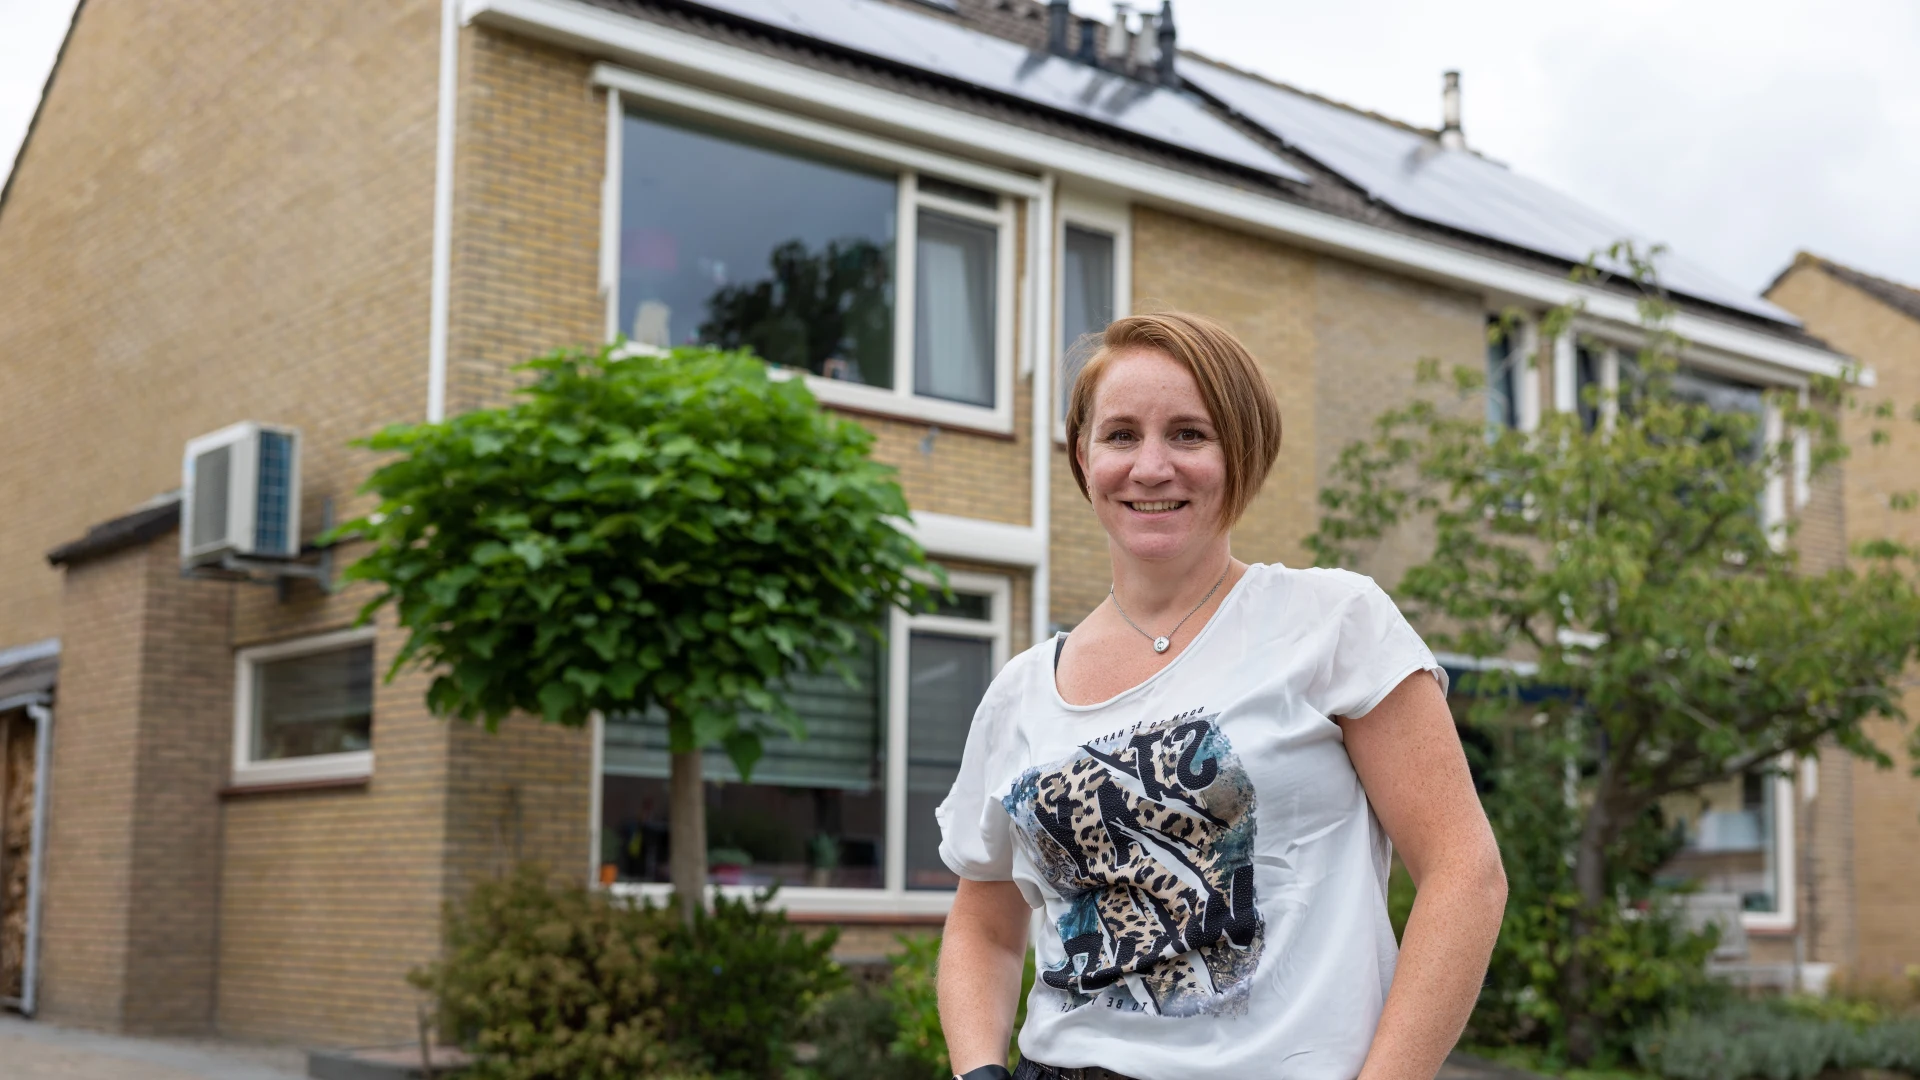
(740, 984)
(1776, 1040)
(551, 982)
(854, 1032)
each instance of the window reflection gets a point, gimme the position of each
(728, 243)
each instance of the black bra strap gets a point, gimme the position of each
(1059, 644)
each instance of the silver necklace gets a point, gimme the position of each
(1161, 643)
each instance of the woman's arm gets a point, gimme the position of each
(1408, 756)
(981, 955)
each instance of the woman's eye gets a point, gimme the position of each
(1190, 435)
(1120, 436)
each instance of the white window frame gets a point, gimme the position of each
(1095, 213)
(764, 124)
(1612, 343)
(893, 898)
(246, 772)
(1785, 884)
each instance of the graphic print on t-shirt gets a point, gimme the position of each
(1147, 835)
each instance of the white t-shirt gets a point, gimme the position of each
(1209, 882)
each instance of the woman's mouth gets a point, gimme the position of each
(1163, 506)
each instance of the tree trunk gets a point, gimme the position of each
(1590, 881)
(687, 825)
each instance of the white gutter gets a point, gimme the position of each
(596, 31)
(1040, 343)
(443, 211)
(37, 865)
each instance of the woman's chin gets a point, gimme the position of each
(1157, 547)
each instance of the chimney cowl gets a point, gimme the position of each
(1119, 37)
(1452, 136)
(1146, 45)
(1169, 46)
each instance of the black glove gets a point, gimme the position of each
(986, 1072)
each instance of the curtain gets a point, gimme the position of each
(844, 728)
(954, 314)
(1086, 303)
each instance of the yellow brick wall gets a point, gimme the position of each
(90, 805)
(1877, 911)
(225, 213)
(1372, 330)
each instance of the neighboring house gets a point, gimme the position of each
(1868, 868)
(297, 215)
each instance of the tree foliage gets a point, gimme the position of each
(1620, 554)
(675, 532)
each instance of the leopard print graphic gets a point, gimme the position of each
(1147, 836)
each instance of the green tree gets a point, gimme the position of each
(1621, 551)
(675, 533)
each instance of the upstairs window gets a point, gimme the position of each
(1095, 246)
(892, 288)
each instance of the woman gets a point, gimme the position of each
(1191, 795)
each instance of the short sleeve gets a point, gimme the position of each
(1374, 650)
(976, 838)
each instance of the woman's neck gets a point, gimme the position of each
(1152, 590)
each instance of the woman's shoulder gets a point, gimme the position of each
(1316, 587)
(1025, 675)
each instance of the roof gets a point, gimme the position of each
(1467, 202)
(1902, 298)
(150, 522)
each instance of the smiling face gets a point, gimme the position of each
(1155, 471)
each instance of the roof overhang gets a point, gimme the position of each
(699, 60)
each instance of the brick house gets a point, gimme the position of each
(1868, 870)
(290, 215)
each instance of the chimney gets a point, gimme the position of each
(1119, 38)
(1451, 136)
(1057, 27)
(1146, 45)
(1169, 46)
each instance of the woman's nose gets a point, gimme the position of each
(1154, 462)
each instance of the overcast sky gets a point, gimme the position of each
(1738, 132)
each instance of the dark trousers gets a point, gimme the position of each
(1029, 1069)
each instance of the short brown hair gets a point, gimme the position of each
(1236, 392)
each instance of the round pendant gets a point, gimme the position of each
(1160, 644)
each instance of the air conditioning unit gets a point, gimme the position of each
(240, 494)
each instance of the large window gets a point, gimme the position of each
(848, 807)
(892, 288)
(303, 710)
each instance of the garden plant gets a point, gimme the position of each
(674, 532)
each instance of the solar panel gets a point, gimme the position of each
(1412, 174)
(938, 46)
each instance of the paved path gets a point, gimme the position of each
(34, 1051)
